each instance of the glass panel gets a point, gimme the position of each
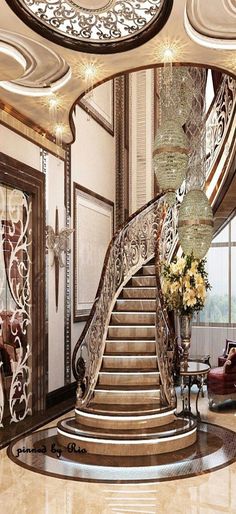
(15, 302)
(223, 236)
(216, 309)
(233, 285)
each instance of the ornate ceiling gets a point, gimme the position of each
(212, 23)
(103, 26)
(37, 57)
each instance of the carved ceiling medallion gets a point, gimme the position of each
(96, 26)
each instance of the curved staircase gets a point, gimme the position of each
(127, 414)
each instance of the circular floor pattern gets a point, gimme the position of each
(39, 452)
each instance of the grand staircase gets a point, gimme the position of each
(127, 413)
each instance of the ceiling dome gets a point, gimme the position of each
(95, 26)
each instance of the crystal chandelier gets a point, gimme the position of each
(170, 156)
(195, 225)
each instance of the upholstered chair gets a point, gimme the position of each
(221, 381)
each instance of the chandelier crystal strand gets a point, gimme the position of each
(195, 226)
(170, 155)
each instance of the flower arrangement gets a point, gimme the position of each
(184, 284)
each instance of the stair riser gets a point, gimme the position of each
(126, 397)
(142, 281)
(123, 362)
(133, 318)
(130, 332)
(149, 270)
(141, 292)
(130, 347)
(107, 447)
(136, 305)
(129, 379)
(119, 423)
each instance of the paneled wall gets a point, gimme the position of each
(93, 166)
(141, 122)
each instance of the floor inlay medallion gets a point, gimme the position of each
(40, 452)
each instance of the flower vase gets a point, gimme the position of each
(185, 334)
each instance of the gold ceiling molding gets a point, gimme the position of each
(95, 26)
(212, 24)
(44, 70)
(24, 127)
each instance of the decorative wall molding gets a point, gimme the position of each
(38, 78)
(141, 137)
(212, 24)
(68, 271)
(94, 108)
(93, 219)
(121, 84)
(23, 126)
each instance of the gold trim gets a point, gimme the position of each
(200, 221)
(18, 126)
(171, 149)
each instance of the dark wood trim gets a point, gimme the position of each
(31, 423)
(91, 111)
(61, 394)
(17, 174)
(77, 187)
(92, 193)
(91, 47)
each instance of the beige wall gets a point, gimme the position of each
(93, 166)
(19, 148)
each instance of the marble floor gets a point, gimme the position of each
(26, 492)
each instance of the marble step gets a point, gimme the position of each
(133, 318)
(131, 331)
(151, 442)
(149, 269)
(129, 362)
(139, 305)
(119, 377)
(143, 281)
(102, 415)
(126, 410)
(126, 394)
(134, 346)
(139, 292)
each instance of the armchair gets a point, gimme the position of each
(221, 381)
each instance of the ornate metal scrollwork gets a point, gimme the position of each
(110, 27)
(131, 247)
(219, 118)
(16, 308)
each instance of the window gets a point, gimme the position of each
(220, 306)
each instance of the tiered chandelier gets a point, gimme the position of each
(176, 158)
